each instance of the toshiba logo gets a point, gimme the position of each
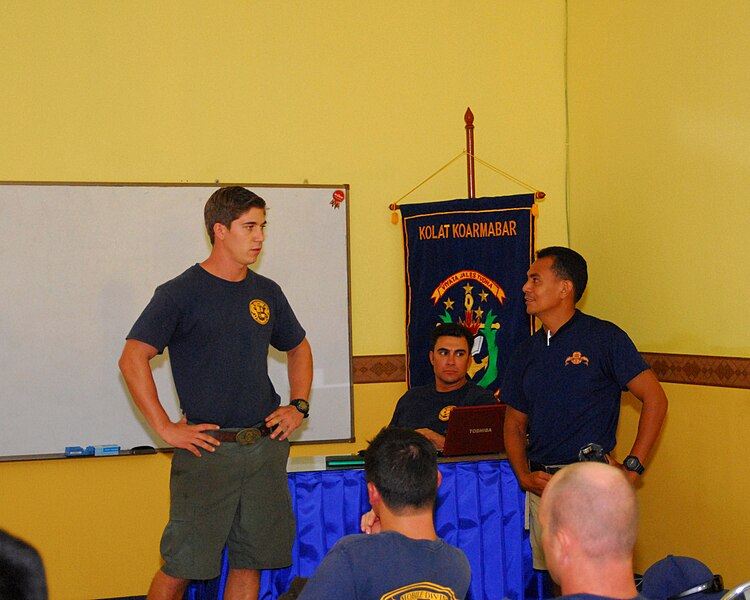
(481, 430)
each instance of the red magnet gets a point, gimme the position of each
(338, 198)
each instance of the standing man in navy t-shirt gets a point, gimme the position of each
(228, 485)
(563, 385)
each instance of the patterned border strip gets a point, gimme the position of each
(384, 368)
(690, 369)
(695, 369)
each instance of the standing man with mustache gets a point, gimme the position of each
(563, 386)
(228, 485)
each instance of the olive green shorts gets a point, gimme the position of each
(236, 497)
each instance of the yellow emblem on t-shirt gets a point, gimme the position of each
(577, 358)
(259, 311)
(446, 412)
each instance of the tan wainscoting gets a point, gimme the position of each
(691, 369)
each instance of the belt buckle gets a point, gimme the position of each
(248, 437)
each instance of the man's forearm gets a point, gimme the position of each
(300, 370)
(136, 371)
(649, 428)
(514, 433)
(437, 440)
(648, 390)
(515, 448)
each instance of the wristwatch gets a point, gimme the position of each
(301, 405)
(631, 463)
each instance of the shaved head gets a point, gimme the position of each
(595, 504)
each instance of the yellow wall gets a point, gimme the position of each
(694, 495)
(659, 173)
(373, 94)
(366, 93)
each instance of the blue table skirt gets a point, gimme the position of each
(480, 509)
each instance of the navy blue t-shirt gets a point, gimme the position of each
(571, 388)
(422, 406)
(218, 333)
(391, 566)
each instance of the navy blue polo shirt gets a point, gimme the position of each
(570, 386)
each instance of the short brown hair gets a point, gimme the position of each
(227, 204)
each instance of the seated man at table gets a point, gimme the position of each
(589, 519)
(426, 408)
(404, 557)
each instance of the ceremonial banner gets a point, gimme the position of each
(466, 262)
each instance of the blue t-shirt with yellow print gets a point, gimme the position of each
(390, 566)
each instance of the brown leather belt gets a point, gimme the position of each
(244, 437)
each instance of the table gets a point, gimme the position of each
(480, 509)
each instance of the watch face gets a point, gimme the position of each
(302, 405)
(633, 464)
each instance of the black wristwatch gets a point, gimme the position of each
(631, 463)
(301, 405)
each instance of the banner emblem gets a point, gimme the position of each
(481, 322)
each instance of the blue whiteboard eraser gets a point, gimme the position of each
(74, 451)
(107, 450)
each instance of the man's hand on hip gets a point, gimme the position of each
(285, 419)
(190, 437)
(534, 482)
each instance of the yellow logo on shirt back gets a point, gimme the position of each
(424, 590)
(259, 311)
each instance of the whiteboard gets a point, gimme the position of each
(78, 264)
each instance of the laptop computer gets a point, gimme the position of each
(475, 430)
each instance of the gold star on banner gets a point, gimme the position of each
(468, 288)
(479, 313)
(448, 304)
(483, 295)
